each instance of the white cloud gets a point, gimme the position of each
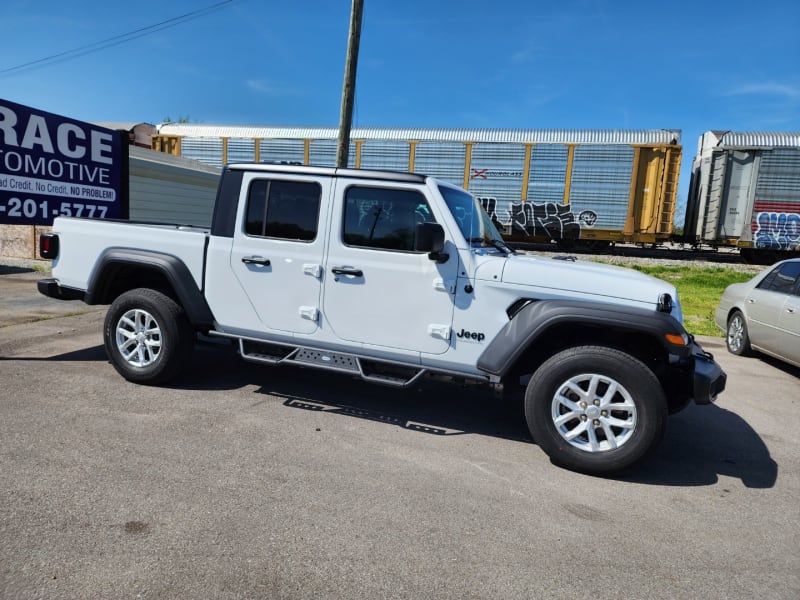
(769, 88)
(270, 88)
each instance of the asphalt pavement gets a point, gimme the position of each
(242, 481)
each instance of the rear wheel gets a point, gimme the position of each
(147, 336)
(595, 409)
(737, 339)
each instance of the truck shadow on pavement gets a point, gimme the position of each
(702, 443)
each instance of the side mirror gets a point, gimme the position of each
(429, 237)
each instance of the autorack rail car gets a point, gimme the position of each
(575, 187)
(745, 192)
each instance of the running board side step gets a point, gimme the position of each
(384, 373)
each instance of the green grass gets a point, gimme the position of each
(700, 289)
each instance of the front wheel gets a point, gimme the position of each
(737, 338)
(147, 336)
(595, 409)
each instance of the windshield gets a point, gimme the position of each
(472, 220)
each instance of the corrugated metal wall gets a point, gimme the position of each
(391, 156)
(496, 171)
(205, 149)
(276, 150)
(547, 173)
(241, 150)
(601, 183)
(779, 177)
(168, 189)
(536, 184)
(444, 160)
(775, 221)
(645, 137)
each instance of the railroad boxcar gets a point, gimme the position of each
(572, 187)
(745, 193)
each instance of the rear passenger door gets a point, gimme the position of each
(277, 254)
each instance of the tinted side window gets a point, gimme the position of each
(283, 209)
(383, 218)
(781, 279)
(224, 220)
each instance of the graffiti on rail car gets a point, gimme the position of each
(776, 229)
(548, 219)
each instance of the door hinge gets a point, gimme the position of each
(441, 285)
(309, 312)
(313, 270)
(439, 331)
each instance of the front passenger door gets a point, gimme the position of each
(378, 290)
(789, 319)
(774, 320)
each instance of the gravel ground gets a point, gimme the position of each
(667, 256)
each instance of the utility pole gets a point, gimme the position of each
(349, 87)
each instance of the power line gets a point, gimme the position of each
(112, 41)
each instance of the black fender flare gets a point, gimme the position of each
(531, 323)
(171, 267)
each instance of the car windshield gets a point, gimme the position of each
(474, 223)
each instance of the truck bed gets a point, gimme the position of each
(83, 238)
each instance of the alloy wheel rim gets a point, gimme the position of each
(594, 413)
(735, 333)
(138, 338)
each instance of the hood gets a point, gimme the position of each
(585, 280)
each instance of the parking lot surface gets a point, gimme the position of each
(241, 481)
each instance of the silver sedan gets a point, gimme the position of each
(763, 314)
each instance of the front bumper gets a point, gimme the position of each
(709, 378)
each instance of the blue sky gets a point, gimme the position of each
(592, 64)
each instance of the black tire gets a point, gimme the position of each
(147, 336)
(737, 339)
(614, 428)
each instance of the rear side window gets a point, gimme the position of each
(383, 218)
(286, 210)
(782, 279)
(224, 221)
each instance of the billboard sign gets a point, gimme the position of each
(55, 166)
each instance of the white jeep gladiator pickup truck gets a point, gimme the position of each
(392, 277)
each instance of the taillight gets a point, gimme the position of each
(48, 245)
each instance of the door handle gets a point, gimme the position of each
(256, 260)
(347, 271)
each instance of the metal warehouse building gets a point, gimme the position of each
(161, 188)
(598, 186)
(170, 189)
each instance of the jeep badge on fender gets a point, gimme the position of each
(471, 335)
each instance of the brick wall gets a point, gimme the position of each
(20, 241)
